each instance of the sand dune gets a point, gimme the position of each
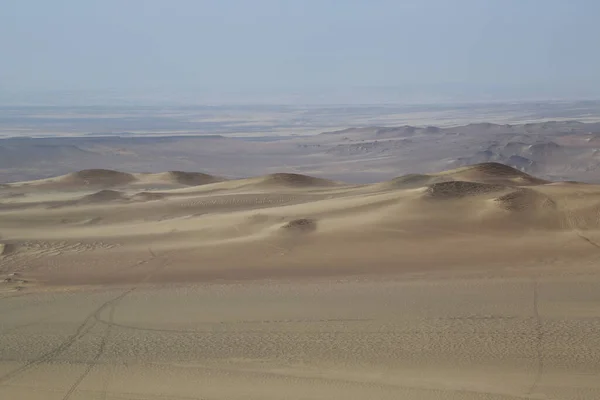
(409, 181)
(525, 200)
(149, 196)
(218, 225)
(474, 283)
(458, 189)
(180, 178)
(493, 173)
(489, 173)
(105, 179)
(81, 180)
(97, 177)
(292, 180)
(102, 196)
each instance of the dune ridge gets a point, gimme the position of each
(293, 180)
(182, 178)
(149, 196)
(97, 177)
(103, 196)
(524, 200)
(493, 172)
(459, 189)
(408, 181)
(285, 223)
(252, 269)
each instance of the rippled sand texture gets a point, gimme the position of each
(499, 338)
(476, 283)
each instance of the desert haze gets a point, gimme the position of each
(299, 200)
(375, 144)
(478, 282)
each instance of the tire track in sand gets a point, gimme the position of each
(82, 330)
(88, 323)
(102, 346)
(539, 337)
(97, 318)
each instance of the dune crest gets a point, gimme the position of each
(97, 177)
(102, 196)
(459, 189)
(186, 178)
(245, 219)
(293, 180)
(409, 181)
(493, 172)
(525, 200)
(149, 196)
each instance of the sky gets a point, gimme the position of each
(310, 48)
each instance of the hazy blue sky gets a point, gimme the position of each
(536, 47)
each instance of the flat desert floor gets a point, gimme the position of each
(476, 283)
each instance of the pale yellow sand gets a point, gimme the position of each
(418, 338)
(478, 283)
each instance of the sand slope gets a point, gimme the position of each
(81, 179)
(450, 337)
(179, 178)
(493, 172)
(108, 179)
(241, 228)
(476, 283)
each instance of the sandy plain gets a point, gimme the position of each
(475, 283)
